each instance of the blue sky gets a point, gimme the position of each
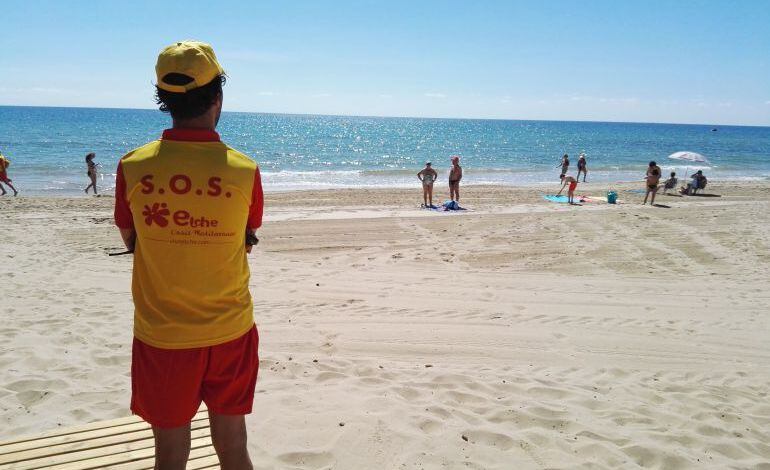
(652, 61)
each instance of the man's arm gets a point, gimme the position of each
(123, 217)
(256, 208)
(129, 238)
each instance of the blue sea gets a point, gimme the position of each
(47, 147)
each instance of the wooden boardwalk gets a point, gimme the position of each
(119, 444)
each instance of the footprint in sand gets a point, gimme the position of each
(487, 438)
(307, 459)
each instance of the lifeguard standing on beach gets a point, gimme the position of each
(188, 206)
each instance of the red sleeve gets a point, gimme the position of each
(123, 217)
(257, 203)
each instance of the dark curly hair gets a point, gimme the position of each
(188, 105)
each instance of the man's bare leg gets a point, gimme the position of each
(172, 447)
(424, 195)
(228, 432)
(430, 194)
(454, 192)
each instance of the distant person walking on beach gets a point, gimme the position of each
(4, 164)
(571, 190)
(188, 206)
(581, 166)
(91, 171)
(455, 175)
(427, 175)
(564, 164)
(652, 179)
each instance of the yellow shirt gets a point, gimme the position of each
(190, 199)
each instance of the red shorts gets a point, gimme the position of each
(572, 186)
(4, 177)
(168, 385)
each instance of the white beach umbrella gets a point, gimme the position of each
(690, 157)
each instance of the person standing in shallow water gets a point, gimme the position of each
(455, 175)
(188, 206)
(427, 175)
(91, 172)
(564, 164)
(581, 166)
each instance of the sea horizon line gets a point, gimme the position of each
(441, 118)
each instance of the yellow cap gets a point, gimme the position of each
(192, 58)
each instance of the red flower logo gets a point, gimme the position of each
(157, 213)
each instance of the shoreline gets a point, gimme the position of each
(439, 187)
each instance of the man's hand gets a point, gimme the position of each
(129, 238)
(251, 239)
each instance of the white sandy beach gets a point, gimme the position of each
(521, 334)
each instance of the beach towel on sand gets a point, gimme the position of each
(562, 199)
(452, 206)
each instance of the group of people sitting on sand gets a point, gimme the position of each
(653, 176)
(428, 176)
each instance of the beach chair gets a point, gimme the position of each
(118, 444)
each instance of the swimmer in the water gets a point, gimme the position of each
(427, 175)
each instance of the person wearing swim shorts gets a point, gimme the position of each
(91, 172)
(4, 164)
(188, 206)
(651, 180)
(455, 175)
(427, 175)
(581, 166)
(571, 190)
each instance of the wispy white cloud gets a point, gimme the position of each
(385, 95)
(322, 95)
(266, 93)
(505, 99)
(435, 95)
